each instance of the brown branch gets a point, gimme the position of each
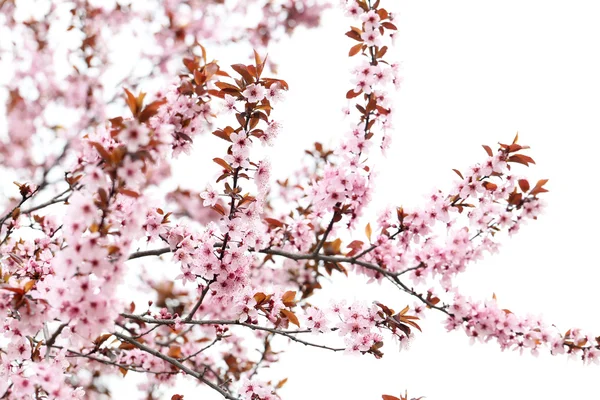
(194, 354)
(146, 253)
(54, 336)
(18, 206)
(200, 300)
(392, 276)
(175, 363)
(326, 233)
(124, 366)
(174, 338)
(374, 246)
(263, 356)
(54, 200)
(56, 162)
(288, 334)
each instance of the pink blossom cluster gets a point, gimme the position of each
(30, 379)
(345, 186)
(484, 321)
(454, 229)
(182, 118)
(41, 85)
(257, 390)
(356, 325)
(247, 258)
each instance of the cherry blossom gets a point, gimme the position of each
(243, 253)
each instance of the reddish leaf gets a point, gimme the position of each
(221, 134)
(515, 198)
(288, 298)
(354, 35)
(260, 298)
(174, 351)
(258, 62)
(488, 150)
(381, 52)
(383, 14)
(355, 49)
(102, 151)
(521, 159)
(274, 222)
(539, 187)
(489, 186)
(101, 339)
(150, 110)
(199, 77)
(131, 102)
(524, 185)
(243, 71)
(252, 70)
(223, 164)
(28, 286)
(190, 64)
(352, 94)
(223, 85)
(291, 317)
(458, 173)
(219, 208)
(128, 192)
(126, 346)
(281, 383)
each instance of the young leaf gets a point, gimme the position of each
(488, 150)
(368, 231)
(291, 317)
(355, 49)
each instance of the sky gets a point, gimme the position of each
(475, 73)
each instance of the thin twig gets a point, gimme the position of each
(200, 300)
(54, 200)
(288, 334)
(325, 234)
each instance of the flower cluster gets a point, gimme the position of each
(484, 321)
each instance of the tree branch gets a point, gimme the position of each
(288, 334)
(146, 253)
(175, 363)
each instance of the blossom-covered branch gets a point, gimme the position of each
(243, 253)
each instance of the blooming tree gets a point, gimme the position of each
(250, 249)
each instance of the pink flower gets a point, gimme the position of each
(316, 320)
(353, 9)
(371, 20)
(134, 136)
(210, 197)
(371, 38)
(274, 93)
(271, 132)
(229, 104)
(254, 93)
(132, 173)
(238, 159)
(240, 141)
